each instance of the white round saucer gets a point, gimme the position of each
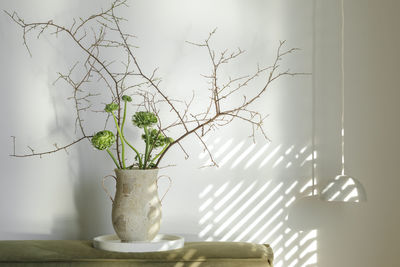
(161, 242)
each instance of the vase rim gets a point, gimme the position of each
(136, 169)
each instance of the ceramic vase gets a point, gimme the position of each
(136, 209)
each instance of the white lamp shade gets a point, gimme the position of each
(344, 188)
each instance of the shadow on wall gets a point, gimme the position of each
(345, 189)
(91, 209)
(254, 209)
(93, 213)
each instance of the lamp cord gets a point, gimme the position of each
(342, 67)
(313, 113)
(314, 95)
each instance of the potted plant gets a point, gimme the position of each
(230, 98)
(136, 210)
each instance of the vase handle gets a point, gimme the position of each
(104, 187)
(170, 183)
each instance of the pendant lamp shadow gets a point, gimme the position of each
(343, 187)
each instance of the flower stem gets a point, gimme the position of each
(156, 157)
(146, 156)
(113, 158)
(122, 140)
(124, 118)
(137, 153)
(121, 133)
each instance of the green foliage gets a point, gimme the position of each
(144, 119)
(151, 165)
(153, 139)
(103, 140)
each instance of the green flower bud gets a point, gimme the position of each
(111, 107)
(156, 139)
(127, 98)
(144, 119)
(103, 140)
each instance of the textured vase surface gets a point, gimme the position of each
(136, 211)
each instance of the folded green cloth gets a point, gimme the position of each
(81, 253)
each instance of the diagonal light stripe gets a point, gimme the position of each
(206, 191)
(270, 156)
(259, 218)
(241, 209)
(221, 189)
(276, 228)
(271, 220)
(231, 154)
(228, 196)
(251, 213)
(233, 204)
(243, 155)
(257, 155)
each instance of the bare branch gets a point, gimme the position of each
(40, 154)
(229, 98)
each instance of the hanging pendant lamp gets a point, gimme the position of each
(343, 187)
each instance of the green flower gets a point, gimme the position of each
(127, 98)
(103, 140)
(144, 119)
(157, 139)
(111, 107)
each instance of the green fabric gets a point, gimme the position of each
(62, 253)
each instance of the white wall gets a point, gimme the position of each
(365, 235)
(60, 196)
